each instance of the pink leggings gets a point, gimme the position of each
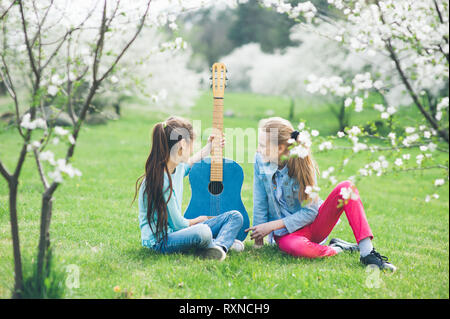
(304, 242)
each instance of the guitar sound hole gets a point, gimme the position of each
(215, 188)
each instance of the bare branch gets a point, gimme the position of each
(27, 42)
(5, 172)
(139, 29)
(40, 169)
(58, 47)
(4, 13)
(96, 82)
(69, 87)
(439, 166)
(41, 23)
(8, 82)
(113, 15)
(66, 35)
(99, 46)
(392, 148)
(21, 160)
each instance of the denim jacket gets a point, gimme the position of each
(266, 207)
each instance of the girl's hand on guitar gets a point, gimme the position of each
(210, 140)
(205, 151)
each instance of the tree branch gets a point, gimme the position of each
(3, 15)
(40, 169)
(442, 132)
(41, 23)
(439, 166)
(96, 82)
(27, 42)
(5, 172)
(139, 29)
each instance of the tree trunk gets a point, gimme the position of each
(291, 108)
(117, 108)
(2, 88)
(44, 236)
(342, 117)
(18, 276)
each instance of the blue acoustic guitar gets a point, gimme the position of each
(216, 182)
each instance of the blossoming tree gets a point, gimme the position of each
(413, 37)
(50, 48)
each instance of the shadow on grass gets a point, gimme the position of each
(265, 255)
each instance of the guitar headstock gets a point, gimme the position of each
(219, 79)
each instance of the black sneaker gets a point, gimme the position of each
(346, 246)
(374, 258)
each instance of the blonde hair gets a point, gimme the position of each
(302, 169)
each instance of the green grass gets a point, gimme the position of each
(95, 228)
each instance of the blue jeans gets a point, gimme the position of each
(220, 230)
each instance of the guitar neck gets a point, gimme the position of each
(216, 150)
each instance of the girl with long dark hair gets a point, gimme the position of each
(163, 227)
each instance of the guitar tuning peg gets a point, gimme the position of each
(226, 78)
(210, 77)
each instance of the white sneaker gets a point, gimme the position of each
(214, 252)
(237, 246)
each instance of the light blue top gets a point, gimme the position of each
(175, 221)
(280, 201)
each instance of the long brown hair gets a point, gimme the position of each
(302, 169)
(165, 135)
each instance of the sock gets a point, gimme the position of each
(365, 247)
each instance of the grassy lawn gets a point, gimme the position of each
(95, 228)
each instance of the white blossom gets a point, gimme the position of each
(60, 131)
(299, 151)
(391, 110)
(312, 191)
(379, 107)
(398, 162)
(71, 139)
(34, 145)
(31, 125)
(348, 101)
(348, 193)
(114, 79)
(358, 104)
(48, 156)
(325, 146)
(52, 90)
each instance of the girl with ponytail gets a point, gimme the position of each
(286, 205)
(163, 227)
